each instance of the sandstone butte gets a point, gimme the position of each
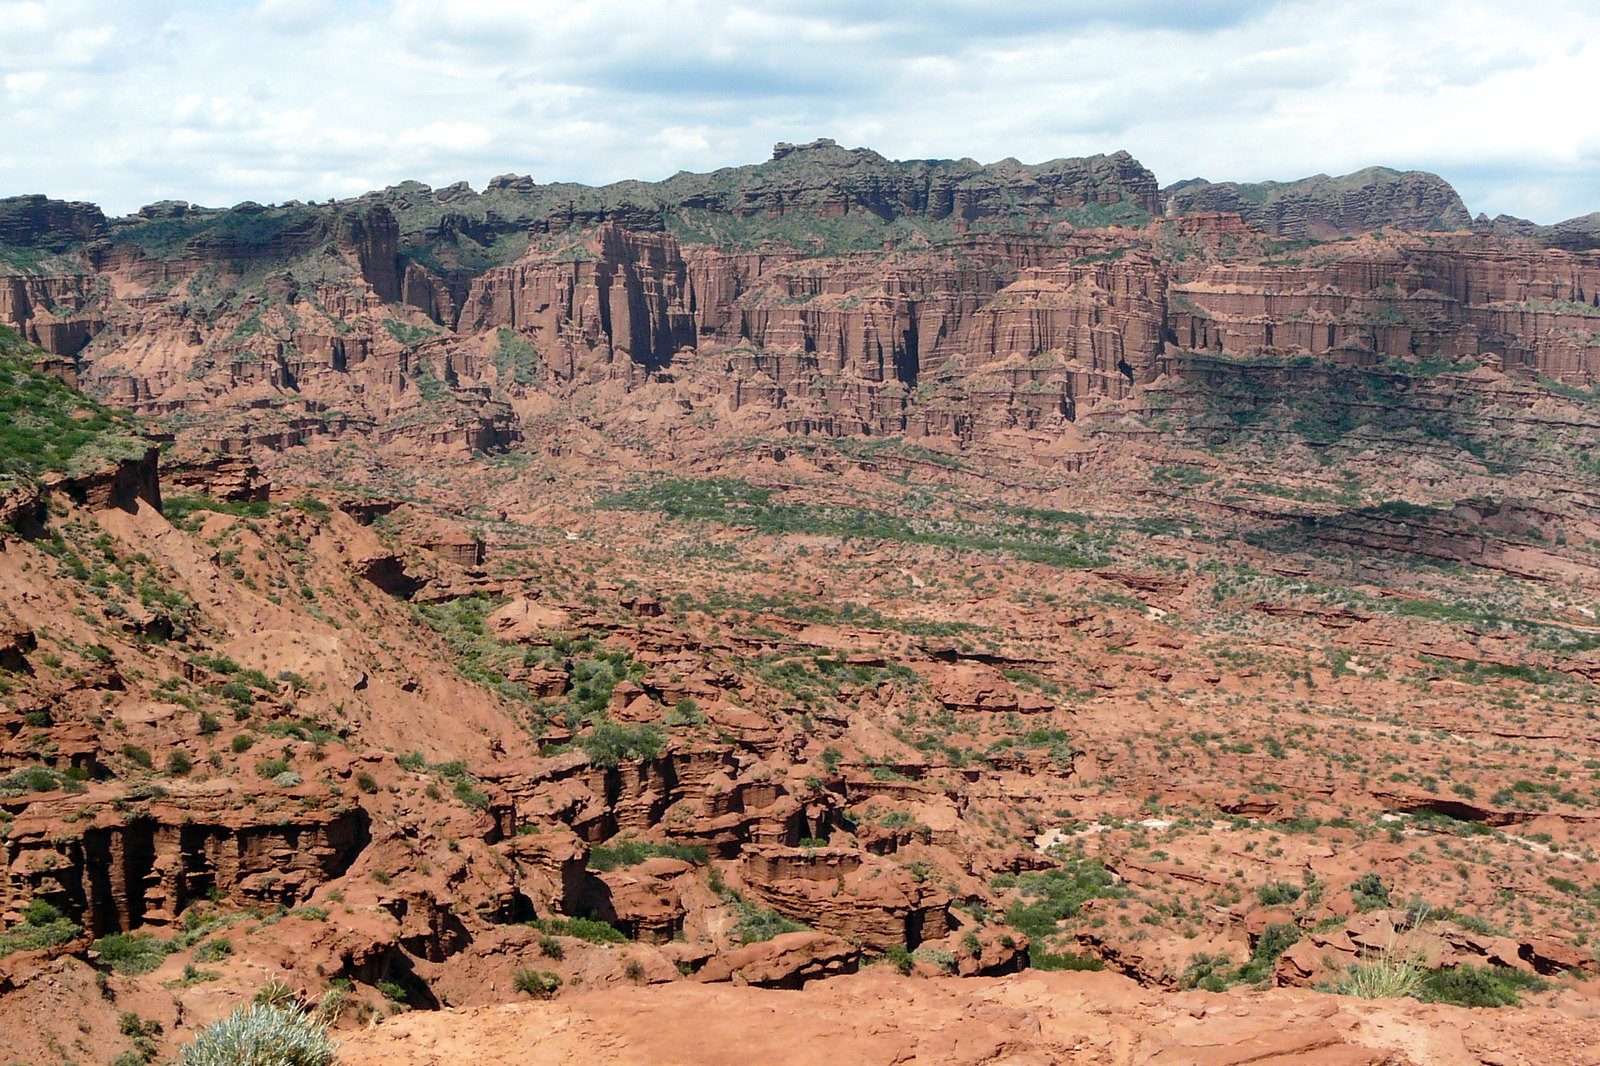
(831, 610)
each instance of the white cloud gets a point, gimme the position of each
(276, 99)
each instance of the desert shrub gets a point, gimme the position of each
(686, 713)
(270, 768)
(213, 951)
(467, 792)
(1216, 973)
(582, 929)
(757, 924)
(179, 763)
(1277, 893)
(261, 1035)
(541, 984)
(1036, 536)
(1387, 976)
(621, 853)
(41, 912)
(1274, 940)
(594, 678)
(179, 508)
(898, 957)
(479, 656)
(1478, 986)
(38, 779)
(47, 425)
(332, 1006)
(1040, 959)
(1369, 893)
(43, 926)
(609, 743)
(142, 1033)
(1052, 895)
(131, 953)
(313, 507)
(393, 991)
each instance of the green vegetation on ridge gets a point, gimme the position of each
(46, 425)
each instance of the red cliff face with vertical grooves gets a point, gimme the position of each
(997, 311)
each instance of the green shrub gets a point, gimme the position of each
(37, 779)
(47, 425)
(213, 951)
(179, 508)
(41, 912)
(1065, 960)
(260, 1035)
(541, 984)
(470, 794)
(582, 929)
(593, 679)
(1277, 893)
(609, 743)
(313, 507)
(131, 953)
(137, 755)
(179, 763)
(756, 924)
(1478, 986)
(621, 853)
(1052, 895)
(1369, 893)
(271, 768)
(34, 935)
(686, 713)
(1037, 537)
(1216, 973)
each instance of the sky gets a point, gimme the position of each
(124, 102)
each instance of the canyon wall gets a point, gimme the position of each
(278, 326)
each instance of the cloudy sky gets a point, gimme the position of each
(215, 101)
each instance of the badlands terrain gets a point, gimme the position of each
(831, 610)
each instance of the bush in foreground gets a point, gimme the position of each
(259, 1035)
(541, 984)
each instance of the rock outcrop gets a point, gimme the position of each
(1321, 207)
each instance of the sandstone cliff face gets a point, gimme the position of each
(980, 335)
(619, 297)
(144, 871)
(1323, 207)
(281, 326)
(1525, 306)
